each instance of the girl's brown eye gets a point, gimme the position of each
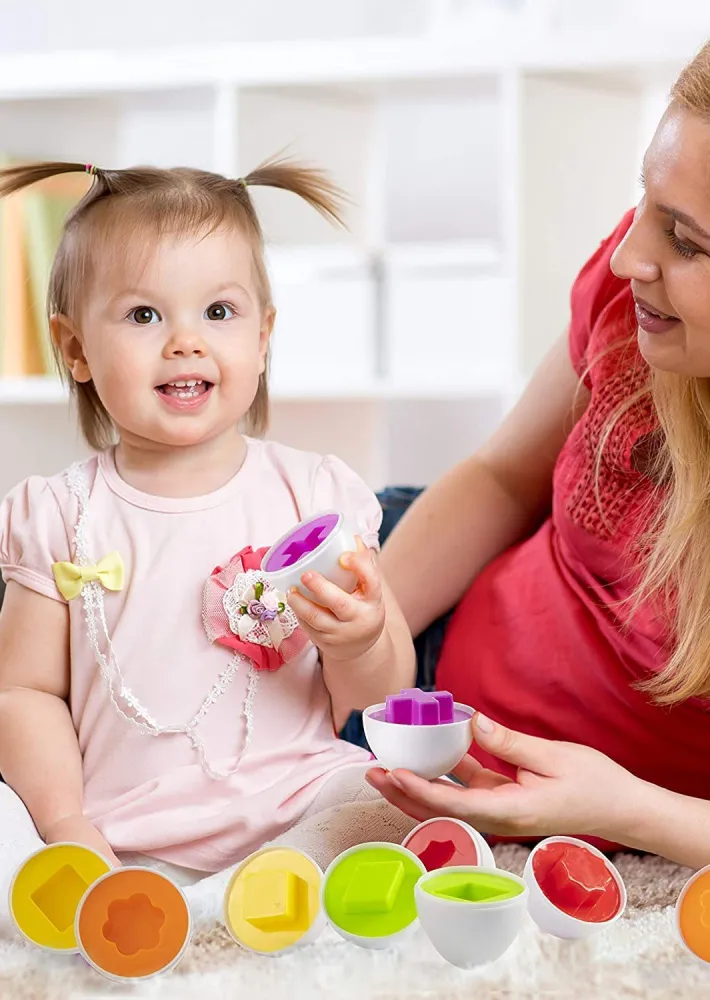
(219, 311)
(144, 315)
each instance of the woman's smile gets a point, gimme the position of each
(652, 320)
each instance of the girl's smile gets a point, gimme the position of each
(186, 393)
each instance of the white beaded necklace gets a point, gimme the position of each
(122, 698)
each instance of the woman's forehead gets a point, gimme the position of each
(678, 158)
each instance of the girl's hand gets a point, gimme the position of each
(559, 788)
(78, 830)
(343, 626)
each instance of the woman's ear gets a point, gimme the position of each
(267, 326)
(67, 338)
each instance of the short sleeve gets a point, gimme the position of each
(594, 288)
(337, 487)
(33, 536)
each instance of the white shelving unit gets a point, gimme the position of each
(482, 170)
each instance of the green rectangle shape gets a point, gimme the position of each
(373, 887)
(472, 888)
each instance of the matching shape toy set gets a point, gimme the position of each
(133, 923)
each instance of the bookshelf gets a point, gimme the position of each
(483, 168)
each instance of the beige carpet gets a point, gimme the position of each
(639, 956)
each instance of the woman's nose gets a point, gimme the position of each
(635, 258)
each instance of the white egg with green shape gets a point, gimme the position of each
(368, 894)
(471, 915)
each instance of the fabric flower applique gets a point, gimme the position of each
(242, 611)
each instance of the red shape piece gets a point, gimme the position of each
(442, 843)
(437, 853)
(577, 882)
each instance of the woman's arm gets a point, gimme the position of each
(39, 752)
(560, 788)
(666, 823)
(486, 503)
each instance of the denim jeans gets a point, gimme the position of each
(395, 501)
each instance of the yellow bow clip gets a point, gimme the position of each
(70, 579)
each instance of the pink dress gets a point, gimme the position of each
(250, 748)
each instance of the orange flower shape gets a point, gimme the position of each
(133, 924)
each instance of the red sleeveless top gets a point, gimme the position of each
(538, 642)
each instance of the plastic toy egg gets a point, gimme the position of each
(133, 924)
(575, 891)
(692, 915)
(368, 894)
(316, 544)
(406, 731)
(447, 843)
(471, 915)
(272, 902)
(47, 889)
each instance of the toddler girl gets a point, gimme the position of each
(158, 700)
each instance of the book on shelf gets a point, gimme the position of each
(30, 226)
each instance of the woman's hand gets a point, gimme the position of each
(343, 626)
(78, 830)
(559, 788)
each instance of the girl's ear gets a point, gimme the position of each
(267, 325)
(67, 338)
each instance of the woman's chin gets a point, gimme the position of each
(665, 351)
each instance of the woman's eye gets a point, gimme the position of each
(144, 315)
(219, 310)
(686, 250)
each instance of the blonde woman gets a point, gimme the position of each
(576, 547)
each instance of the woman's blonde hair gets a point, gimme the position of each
(677, 569)
(146, 200)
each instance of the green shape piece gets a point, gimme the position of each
(397, 874)
(373, 887)
(472, 888)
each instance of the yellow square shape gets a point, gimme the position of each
(59, 897)
(274, 900)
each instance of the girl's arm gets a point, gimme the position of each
(486, 503)
(364, 640)
(39, 752)
(385, 668)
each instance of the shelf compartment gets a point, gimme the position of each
(448, 326)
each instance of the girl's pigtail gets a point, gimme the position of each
(314, 186)
(16, 178)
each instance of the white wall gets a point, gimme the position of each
(36, 440)
(49, 25)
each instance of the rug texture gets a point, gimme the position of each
(639, 956)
